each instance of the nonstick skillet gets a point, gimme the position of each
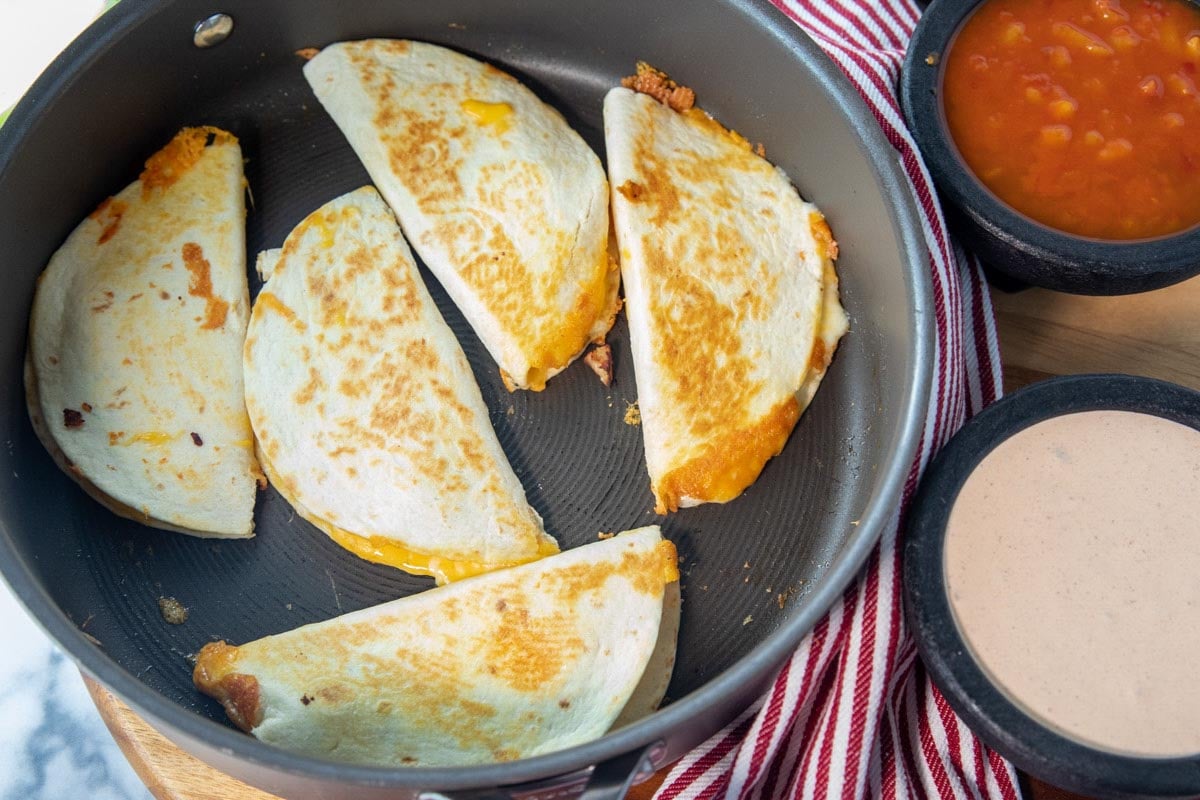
(757, 572)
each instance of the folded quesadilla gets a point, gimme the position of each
(502, 666)
(498, 196)
(729, 287)
(367, 416)
(134, 369)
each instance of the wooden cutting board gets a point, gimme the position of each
(1042, 333)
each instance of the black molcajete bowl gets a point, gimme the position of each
(1007, 240)
(1029, 744)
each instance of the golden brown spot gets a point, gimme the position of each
(353, 389)
(823, 235)
(529, 651)
(476, 709)
(200, 285)
(632, 190)
(174, 161)
(109, 215)
(335, 693)
(310, 389)
(819, 359)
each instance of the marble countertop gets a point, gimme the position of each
(53, 744)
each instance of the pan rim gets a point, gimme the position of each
(754, 667)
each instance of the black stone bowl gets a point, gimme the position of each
(1005, 239)
(1031, 746)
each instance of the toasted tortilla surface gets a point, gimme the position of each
(507, 665)
(133, 378)
(366, 413)
(730, 292)
(500, 198)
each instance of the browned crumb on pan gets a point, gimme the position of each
(633, 414)
(599, 360)
(658, 84)
(173, 611)
(308, 53)
(788, 594)
(605, 535)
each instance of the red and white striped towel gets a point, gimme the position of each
(852, 714)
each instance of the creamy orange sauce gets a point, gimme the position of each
(1073, 570)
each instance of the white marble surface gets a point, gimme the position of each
(53, 744)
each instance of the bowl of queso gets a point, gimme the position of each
(1064, 136)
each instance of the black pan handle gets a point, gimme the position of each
(609, 780)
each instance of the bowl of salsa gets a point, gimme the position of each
(1064, 136)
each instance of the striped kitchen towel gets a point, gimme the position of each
(852, 714)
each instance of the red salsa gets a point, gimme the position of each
(1082, 114)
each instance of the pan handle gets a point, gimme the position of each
(609, 780)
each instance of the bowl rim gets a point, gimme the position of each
(1013, 733)
(1144, 263)
(177, 722)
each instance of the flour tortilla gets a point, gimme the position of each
(730, 291)
(500, 198)
(368, 418)
(133, 372)
(507, 665)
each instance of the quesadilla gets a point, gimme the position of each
(134, 371)
(498, 196)
(730, 291)
(367, 416)
(507, 665)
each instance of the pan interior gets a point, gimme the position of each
(747, 566)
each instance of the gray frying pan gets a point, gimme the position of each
(757, 572)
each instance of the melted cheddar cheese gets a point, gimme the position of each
(495, 115)
(731, 463)
(379, 550)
